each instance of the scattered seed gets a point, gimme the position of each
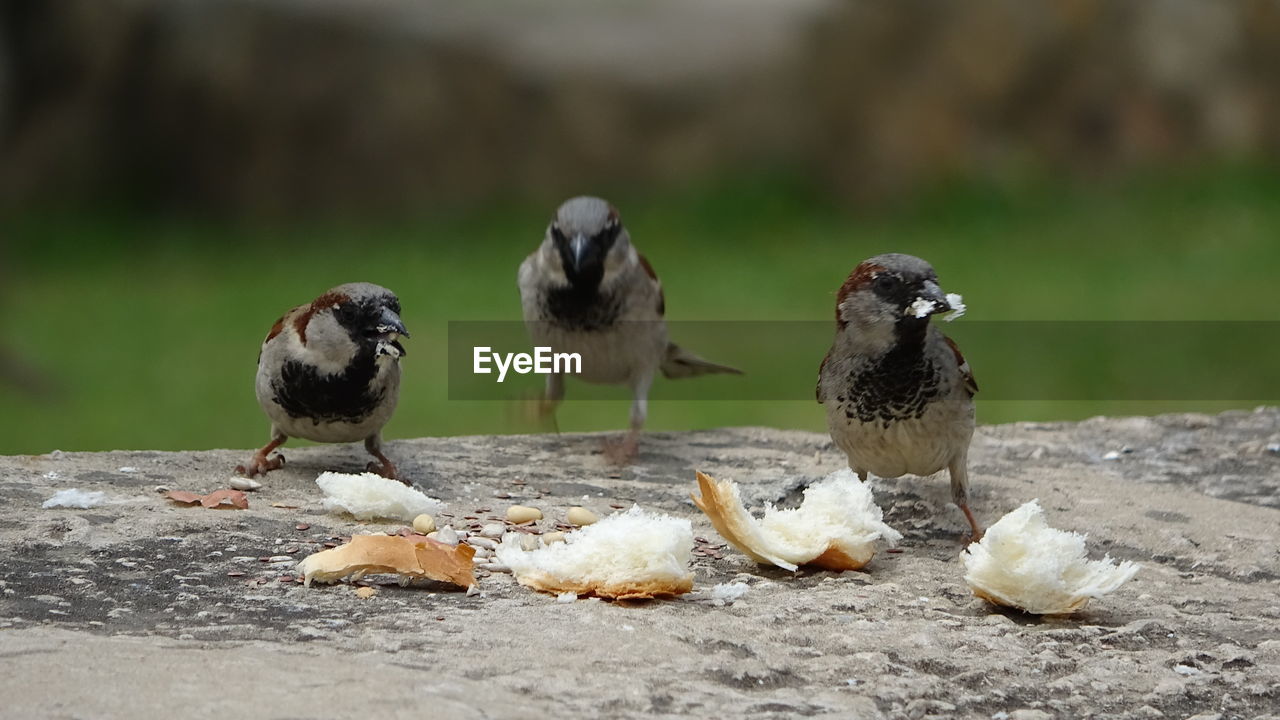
(498, 567)
(291, 549)
(581, 516)
(235, 573)
(494, 530)
(331, 544)
(302, 526)
(482, 542)
(895, 551)
(286, 578)
(502, 495)
(553, 537)
(265, 558)
(424, 524)
(520, 514)
(241, 483)
(616, 506)
(366, 592)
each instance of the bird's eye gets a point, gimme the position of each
(885, 282)
(557, 235)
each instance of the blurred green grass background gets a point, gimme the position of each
(149, 328)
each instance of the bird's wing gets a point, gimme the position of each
(966, 372)
(817, 390)
(657, 284)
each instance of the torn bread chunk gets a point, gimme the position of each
(367, 496)
(957, 307)
(411, 558)
(1023, 563)
(629, 555)
(836, 526)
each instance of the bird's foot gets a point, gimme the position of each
(260, 464)
(386, 469)
(623, 451)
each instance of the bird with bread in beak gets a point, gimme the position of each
(898, 393)
(587, 290)
(329, 371)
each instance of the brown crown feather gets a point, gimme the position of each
(328, 299)
(860, 278)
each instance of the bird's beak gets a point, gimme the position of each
(932, 293)
(578, 248)
(389, 322)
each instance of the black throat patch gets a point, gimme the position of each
(578, 307)
(898, 385)
(304, 392)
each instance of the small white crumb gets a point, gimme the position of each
(1186, 670)
(1113, 455)
(956, 301)
(566, 597)
(728, 593)
(128, 469)
(920, 307)
(76, 498)
(851, 681)
(51, 475)
(628, 628)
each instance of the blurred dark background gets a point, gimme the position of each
(176, 173)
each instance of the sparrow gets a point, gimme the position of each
(329, 371)
(586, 290)
(898, 393)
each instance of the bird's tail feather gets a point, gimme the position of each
(680, 363)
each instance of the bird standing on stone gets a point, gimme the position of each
(329, 371)
(898, 393)
(586, 290)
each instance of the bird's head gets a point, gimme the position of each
(891, 290)
(587, 242)
(355, 316)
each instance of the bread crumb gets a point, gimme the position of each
(76, 498)
(367, 496)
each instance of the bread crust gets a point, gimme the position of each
(632, 590)
(734, 524)
(418, 558)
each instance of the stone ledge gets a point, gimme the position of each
(126, 607)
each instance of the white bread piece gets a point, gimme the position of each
(628, 555)
(367, 496)
(1023, 563)
(835, 527)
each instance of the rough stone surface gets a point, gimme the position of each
(141, 606)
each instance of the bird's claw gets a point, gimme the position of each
(622, 452)
(260, 464)
(385, 469)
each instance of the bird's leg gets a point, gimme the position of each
(959, 473)
(259, 464)
(551, 399)
(384, 466)
(622, 452)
